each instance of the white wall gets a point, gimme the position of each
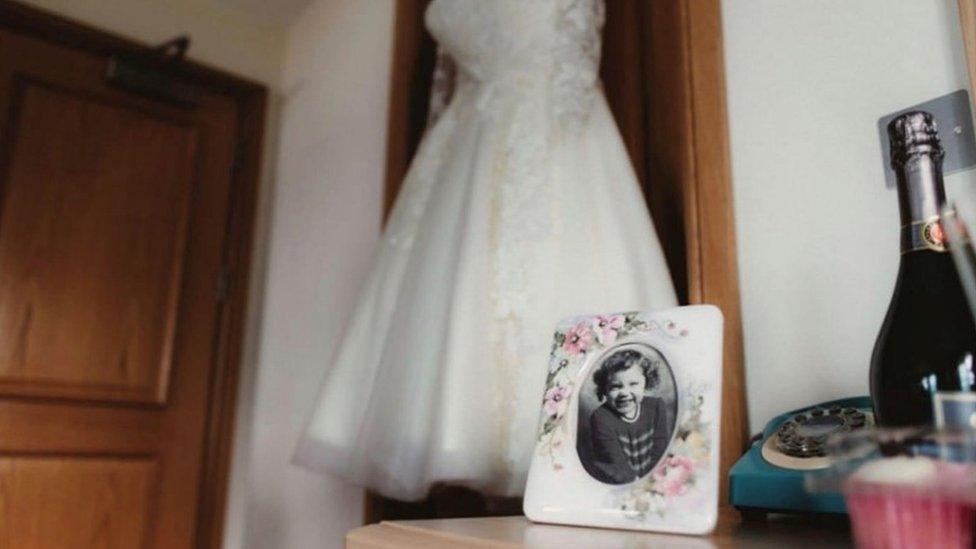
(817, 230)
(324, 226)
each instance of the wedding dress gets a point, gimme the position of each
(520, 208)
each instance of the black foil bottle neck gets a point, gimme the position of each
(916, 156)
(921, 190)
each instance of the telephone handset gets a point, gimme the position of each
(769, 477)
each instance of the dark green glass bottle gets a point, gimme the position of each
(927, 344)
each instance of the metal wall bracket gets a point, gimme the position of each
(954, 117)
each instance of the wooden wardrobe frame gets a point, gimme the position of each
(967, 22)
(688, 149)
(251, 98)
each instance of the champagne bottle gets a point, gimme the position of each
(925, 350)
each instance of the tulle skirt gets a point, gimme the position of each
(498, 233)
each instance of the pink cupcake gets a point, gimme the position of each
(911, 502)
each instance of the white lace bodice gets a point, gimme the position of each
(549, 48)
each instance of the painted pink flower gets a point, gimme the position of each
(578, 339)
(554, 402)
(607, 327)
(672, 478)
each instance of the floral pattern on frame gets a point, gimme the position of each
(569, 352)
(680, 492)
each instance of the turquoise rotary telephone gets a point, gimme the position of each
(769, 477)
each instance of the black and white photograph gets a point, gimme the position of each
(627, 410)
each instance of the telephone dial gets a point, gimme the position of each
(769, 477)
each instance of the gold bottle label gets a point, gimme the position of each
(924, 235)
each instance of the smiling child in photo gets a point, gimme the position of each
(629, 430)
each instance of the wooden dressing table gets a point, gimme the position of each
(776, 531)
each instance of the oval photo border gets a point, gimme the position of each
(585, 380)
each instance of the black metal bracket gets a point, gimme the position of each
(175, 49)
(156, 73)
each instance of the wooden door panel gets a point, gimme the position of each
(114, 215)
(91, 262)
(117, 495)
(28, 426)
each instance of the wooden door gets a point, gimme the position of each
(113, 225)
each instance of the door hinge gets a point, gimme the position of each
(223, 284)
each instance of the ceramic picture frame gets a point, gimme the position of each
(628, 435)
